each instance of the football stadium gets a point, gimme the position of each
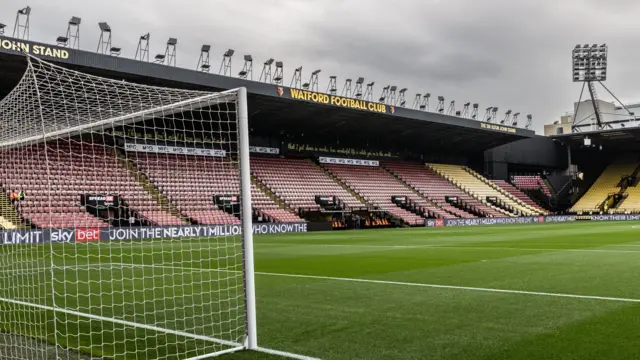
(150, 211)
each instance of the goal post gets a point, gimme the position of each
(126, 219)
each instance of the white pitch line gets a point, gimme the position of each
(402, 283)
(441, 247)
(154, 328)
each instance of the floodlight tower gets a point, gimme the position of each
(514, 122)
(452, 108)
(474, 112)
(357, 91)
(529, 122)
(494, 113)
(392, 95)
(487, 114)
(416, 101)
(384, 95)
(440, 107)
(368, 92)
(278, 76)
(104, 42)
(73, 33)
(332, 88)
(247, 68)
(265, 75)
(204, 64)
(296, 80)
(507, 117)
(225, 65)
(2, 26)
(346, 89)
(142, 51)
(21, 26)
(465, 110)
(401, 97)
(425, 102)
(313, 81)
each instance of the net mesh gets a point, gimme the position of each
(121, 220)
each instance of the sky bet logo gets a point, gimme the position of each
(84, 235)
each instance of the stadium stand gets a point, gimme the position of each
(54, 196)
(482, 188)
(377, 186)
(298, 181)
(518, 194)
(606, 184)
(191, 182)
(531, 182)
(432, 186)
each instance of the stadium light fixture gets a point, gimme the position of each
(203, 62)
(115, 51)
(360, 80)
(104, 27)
(269, 62)
(247, 68)
(368, 93)
(172, 41)
(225, 66)
(73, 32)
(2, 26)
(278, 76)
(21, 26)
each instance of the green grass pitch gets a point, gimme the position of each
(552, 291)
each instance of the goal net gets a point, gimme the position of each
(126, 220)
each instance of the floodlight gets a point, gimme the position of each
(475, 106)
(104, 27)
(269, 62)
(467, 104)
(279, 64)
(115, 51)
(371, 83)
(516, 114)
(299, 68)
(440, 98)
(62, 40)
(316, 72)
(172, 41)
(393, 88)
(25, 11)
(145, 37)
(248, 58)
(360, 80)
(386, 87)
(205, 48)
(2, 26)
(75, 21)
(229, 53)
(403, 90)
(160, 57)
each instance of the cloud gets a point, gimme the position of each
(510, 54)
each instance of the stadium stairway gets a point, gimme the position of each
(481, 189)
(343, 185)
(271, 195)
(630, 194)
(443, 212)
(523, 207)
(150, 188)
(8, 214)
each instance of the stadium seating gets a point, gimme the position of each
(297, 182)
(377, 187)
(190, 183)
(431, 185)
(518, 194)
(530, 182)
(56, 178)
(606, 184)
(482, 188)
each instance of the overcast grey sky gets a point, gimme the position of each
(514, 54)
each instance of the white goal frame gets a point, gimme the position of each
(250, 341)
